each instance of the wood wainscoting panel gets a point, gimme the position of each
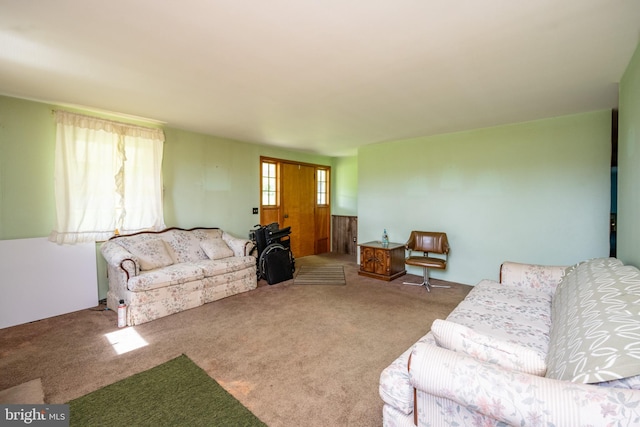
(344, 234)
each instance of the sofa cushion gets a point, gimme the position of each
(166, 276)
(212, 267)
(216, 248)
(509, 313)
(184, 245)
(129, 241)
(207, 233)
(151, 254)
(595, 335)
(462, 339)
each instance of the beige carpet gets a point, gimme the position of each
(293, 355)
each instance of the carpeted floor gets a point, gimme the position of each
(293, 355)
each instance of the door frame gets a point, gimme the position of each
(274, 212)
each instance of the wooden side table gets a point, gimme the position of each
(385, 262)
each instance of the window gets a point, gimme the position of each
(269, 184)
(107, 178)
(322, 192)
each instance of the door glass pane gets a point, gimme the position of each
(269, 190)
(321, 192)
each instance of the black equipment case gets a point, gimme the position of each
(278, 266)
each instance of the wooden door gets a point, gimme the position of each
(298, 207)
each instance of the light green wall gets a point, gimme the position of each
(211, 181)
(27, 143)
(532, 192)
(628, 232)
(345, 186)
(208, 181)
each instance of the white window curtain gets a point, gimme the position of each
(108, 177)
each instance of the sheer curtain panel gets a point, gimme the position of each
(108, 176)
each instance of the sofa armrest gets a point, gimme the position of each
(118, 257)
(533, 276)
(240, 247)
(395, 388)
(516, 398)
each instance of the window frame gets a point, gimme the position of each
(327, 186)
(275, 178)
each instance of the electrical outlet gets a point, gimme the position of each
(255, 211)
(354, 240)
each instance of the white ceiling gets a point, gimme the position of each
(320, 76)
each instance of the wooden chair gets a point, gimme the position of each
(427, 242)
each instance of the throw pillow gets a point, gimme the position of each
(540, 277)
(151, 254)
(216, 249)
(465, 340)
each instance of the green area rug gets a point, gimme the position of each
(176, 393)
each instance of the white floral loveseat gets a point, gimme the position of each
(548, 346)
(165, 272)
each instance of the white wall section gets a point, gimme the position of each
(41, 279)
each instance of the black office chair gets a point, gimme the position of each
(427, 242)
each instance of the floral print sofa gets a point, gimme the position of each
(165, 272)
(547, 346)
